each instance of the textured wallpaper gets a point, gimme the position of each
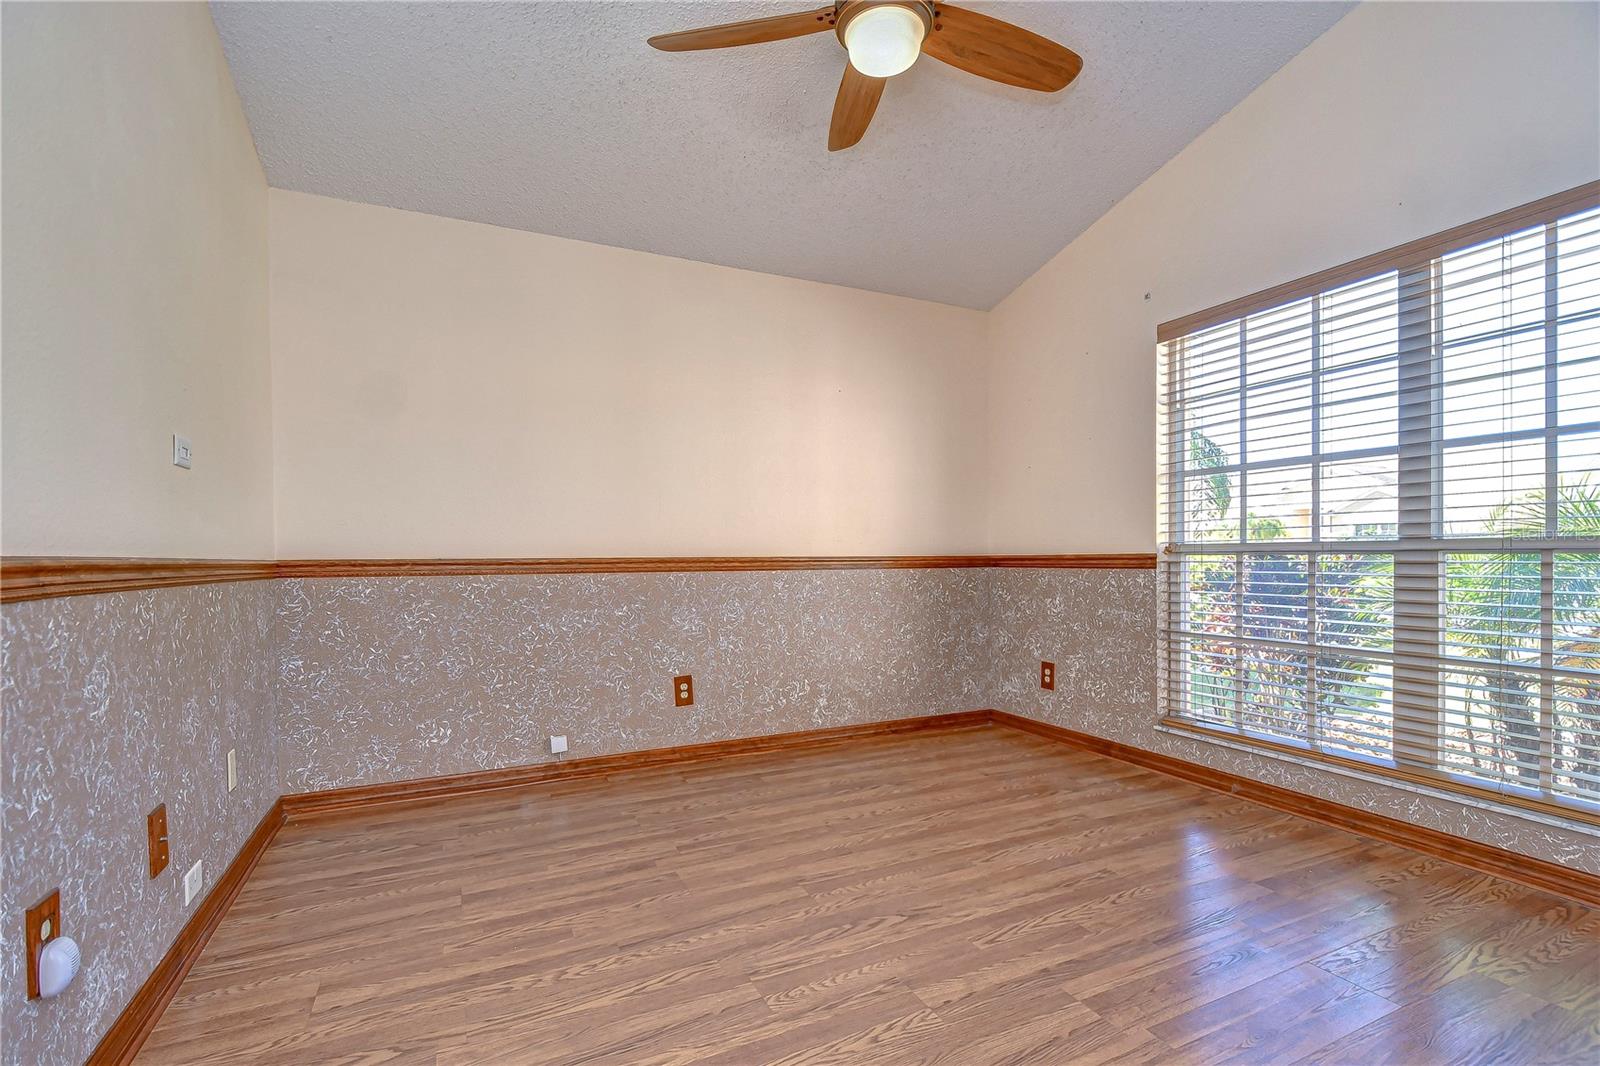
(390, 678)
(1099, 628)
(112, 704)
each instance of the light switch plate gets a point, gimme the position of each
(193, 882)
(233, 769)
(182, 452)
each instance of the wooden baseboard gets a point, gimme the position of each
(364, 797)
(138, 1019)
(1483, 858)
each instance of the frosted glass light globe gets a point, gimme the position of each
(884, 41)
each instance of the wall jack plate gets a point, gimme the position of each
(193, 882)
(1047, 676)
(682, 690)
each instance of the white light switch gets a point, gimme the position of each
(182, 451)
(558, 745)
(233, 770)
(193, 882)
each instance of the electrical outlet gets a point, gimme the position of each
(155, 825)
(41, 924)
(182, 452)
(233, 769)
(193, 882)
(558, 744)
(1047, 676)
(682, 690)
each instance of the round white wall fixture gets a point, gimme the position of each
(58, 965)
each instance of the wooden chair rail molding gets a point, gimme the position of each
(45, 577)
(697, 564)
(129, 1032)
(42, 577)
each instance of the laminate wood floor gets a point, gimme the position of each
(966, 897)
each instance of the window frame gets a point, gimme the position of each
(1420, 545)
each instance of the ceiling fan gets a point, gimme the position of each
(884, 37)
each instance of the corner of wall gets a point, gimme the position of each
(117, 702)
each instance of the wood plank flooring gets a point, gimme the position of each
(967, 897)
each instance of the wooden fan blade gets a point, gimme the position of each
(853, 107)
(754, 31)
(999, 51)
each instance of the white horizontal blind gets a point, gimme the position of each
(1381, 504)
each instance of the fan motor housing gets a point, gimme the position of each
(846, 10)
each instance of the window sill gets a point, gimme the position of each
(1577, 818)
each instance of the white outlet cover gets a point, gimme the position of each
(233, 769)
(182, 452)
(558, 744)
(193, 882)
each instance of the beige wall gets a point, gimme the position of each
(1402, 120)
(135, 288)
(448, 388)
(445, 388)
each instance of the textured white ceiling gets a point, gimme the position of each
(556, 117)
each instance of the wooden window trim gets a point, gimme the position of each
(1412, 253)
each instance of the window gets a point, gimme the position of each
(1380, 496)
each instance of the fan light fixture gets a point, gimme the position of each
(884, 37)
(884, 41)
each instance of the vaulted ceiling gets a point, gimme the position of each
(556, 117)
